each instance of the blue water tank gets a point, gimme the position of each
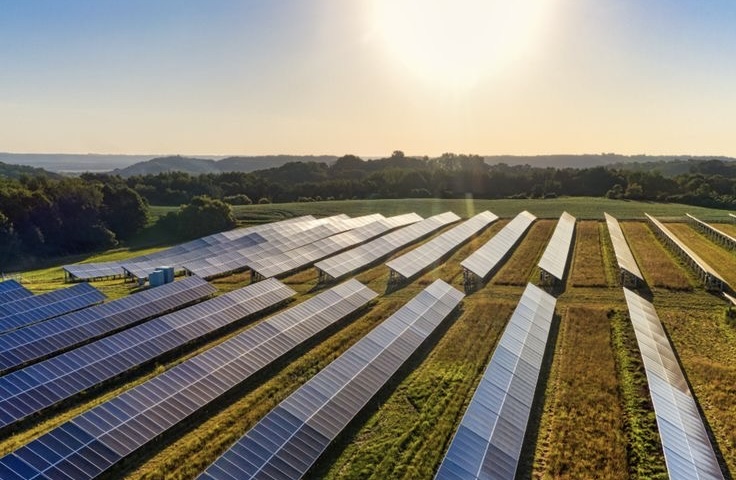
(156, 278)
(168, 274)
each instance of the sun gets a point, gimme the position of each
(458, 43)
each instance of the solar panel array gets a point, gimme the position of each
(282, 241)
(630, 273)
(292, 436)
(37, 308)
(554, 259)
(710, 278)
(478, 266)
(427, 254)
(489, 439)
(238, 260)
(39, 386)
(40, 340)
(293, 260)
(92, 442)
(268, 232)
(713, 233)
(688, 451)
(10, 290)
(355, 259)
(90, 271)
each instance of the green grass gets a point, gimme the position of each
(581, 207)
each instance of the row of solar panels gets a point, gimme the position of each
(222, 245)
(31, 309)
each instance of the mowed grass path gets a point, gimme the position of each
(582, 435)
(587, 266)
(658, 265)
(522, 263)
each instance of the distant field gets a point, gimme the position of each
(580, 207)
(595, 418)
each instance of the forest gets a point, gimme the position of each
(44, 215)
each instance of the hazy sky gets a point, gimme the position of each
(368, 77)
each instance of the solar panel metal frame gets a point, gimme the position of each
(555, 259)
(416, 261)
(711, 279)
(629, 273)
(37, 308)
(713, 233)
(115, 428)
(688, 451)
(489, 439)
(315, 414)
(35, 342)
(59, 378)
(485, 260)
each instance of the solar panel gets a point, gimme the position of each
(478, 266)
(630, 273)
(170, 256)
(92, 442)
(710, 278)
(554, 259)
(292, 436)
(39, 386)
(141, 269)
(489, 439)
(298, 258)
(427, 254)
(238, 260)
(40, 340)
(713, 233)
(37, 308)
(360, 257)
(688, 451)
(10, 290)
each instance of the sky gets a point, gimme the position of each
(367, 77)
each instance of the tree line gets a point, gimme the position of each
(43, 216)
(708, 183)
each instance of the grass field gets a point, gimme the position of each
(595, 421)
(659, 266)
(587, 267)
(584, 407)
(580, 207)
(522, 264)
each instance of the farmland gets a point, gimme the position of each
(593, 418)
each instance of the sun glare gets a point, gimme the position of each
(457, 43)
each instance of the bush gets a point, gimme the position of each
(239, 199)
(263, 201)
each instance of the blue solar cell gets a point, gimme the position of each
(40, 340)
(122, 425)
(10, 290)
(36, 308)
